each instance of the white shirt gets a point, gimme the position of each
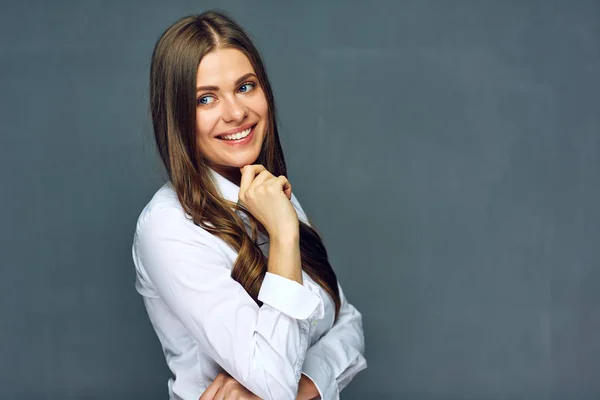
(207, 323)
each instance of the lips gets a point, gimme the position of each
(238, 140)
(236, 130)
(236, 136)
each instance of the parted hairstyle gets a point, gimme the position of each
(173, 71)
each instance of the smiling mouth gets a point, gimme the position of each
(238, 135)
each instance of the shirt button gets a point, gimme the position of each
(315, 322)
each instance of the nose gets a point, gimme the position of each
(234, 110)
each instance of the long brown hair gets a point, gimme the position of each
(173, 72)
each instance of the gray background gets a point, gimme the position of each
(448, 152)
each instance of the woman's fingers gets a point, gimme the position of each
(267, 198)
(212, 389)
(257, 175)
(249, 172)
(233, 390)
(261, 178)
(285, 186)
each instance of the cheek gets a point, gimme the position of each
(263, 107)
(204, 125)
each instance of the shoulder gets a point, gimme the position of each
(164, 204)
(163, 218)
(167, 245)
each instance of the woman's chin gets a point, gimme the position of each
(234, 165)
(242, 162)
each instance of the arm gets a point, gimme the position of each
(338, 356)
(263, 348)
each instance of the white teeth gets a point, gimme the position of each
(237, 136)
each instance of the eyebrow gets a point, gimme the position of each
(237, 82)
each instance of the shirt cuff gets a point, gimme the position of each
(291, 298)
(322, 376)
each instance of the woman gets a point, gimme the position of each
(235, 281)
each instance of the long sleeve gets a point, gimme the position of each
(264, 347)
(338, 356)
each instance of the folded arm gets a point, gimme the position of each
(263, 348)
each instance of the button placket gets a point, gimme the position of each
(304, 330)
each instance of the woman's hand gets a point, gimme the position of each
(224, 387)
(268, 199)
(307, 389)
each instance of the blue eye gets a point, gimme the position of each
(247, 84)
(203, 100)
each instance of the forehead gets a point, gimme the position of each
(222, 66)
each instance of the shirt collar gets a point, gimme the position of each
(229, 190)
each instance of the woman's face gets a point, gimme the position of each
(229, 100)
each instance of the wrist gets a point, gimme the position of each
(284, 257)
(285, 236)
